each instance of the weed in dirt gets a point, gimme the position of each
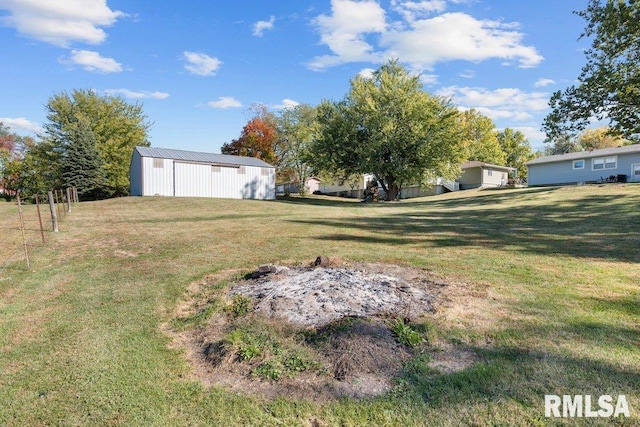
(405, 334)
(281, 351)
(240, 306)
(270, 370)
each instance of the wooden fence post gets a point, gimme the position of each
(40, 219)
(55, 194)
(24, 237)
(54, 217)
(68, 199)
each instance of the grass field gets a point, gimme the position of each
(80, 331)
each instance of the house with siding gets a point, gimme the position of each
(312, 184)
(178, 173)
(620, 164)
(484, 175)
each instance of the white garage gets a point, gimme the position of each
(179, 173)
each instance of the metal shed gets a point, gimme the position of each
(179, 173)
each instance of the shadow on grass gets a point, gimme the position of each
(629, 306)
(598, 226)
(520, 375)
(200, 218)
(320, 201)
(593, 352)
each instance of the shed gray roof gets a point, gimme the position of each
(626, 149)
(197, 157)
(477, 164)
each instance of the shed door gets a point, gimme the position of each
(635, 172)
(192, 180)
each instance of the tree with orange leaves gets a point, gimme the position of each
(258, 138)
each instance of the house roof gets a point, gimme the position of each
(198, 157)
(625, 149)
(477, 164)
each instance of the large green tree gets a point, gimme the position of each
(594, 139)
(480, 138)
(116, 125)
(517, 150)
(609, 85)
(387, 125)
(297, 129)
(16, 167)
(7, 147)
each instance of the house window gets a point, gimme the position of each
(489, 172)
(215, 169)
(158, 163)
(242, 170)
(602, 163)
(578, 164)
(265, 171)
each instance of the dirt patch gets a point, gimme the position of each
(315, 333)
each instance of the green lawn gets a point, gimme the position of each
(558, 311)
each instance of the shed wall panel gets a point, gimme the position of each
(157, 177)
(192, 180)
(494, 178)
(226, 183)
(471, 178)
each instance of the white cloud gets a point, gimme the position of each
(543, 82)
(428, 79)
(286, 103)
(412, 10)
(225, 102)
(458, 36)
(344, 32)
(21, 124)
(92, 61)
(261, 26)
(60, 22)
(358, 31)
(201, 63)
(130, 94)
(504, 103)
(366, 73)
(534, 135)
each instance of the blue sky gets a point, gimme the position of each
(198, 65)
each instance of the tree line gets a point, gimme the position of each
(86, 143)
(385, 124)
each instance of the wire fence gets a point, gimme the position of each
(27, 223)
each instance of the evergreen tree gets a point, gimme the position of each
(82, 166)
